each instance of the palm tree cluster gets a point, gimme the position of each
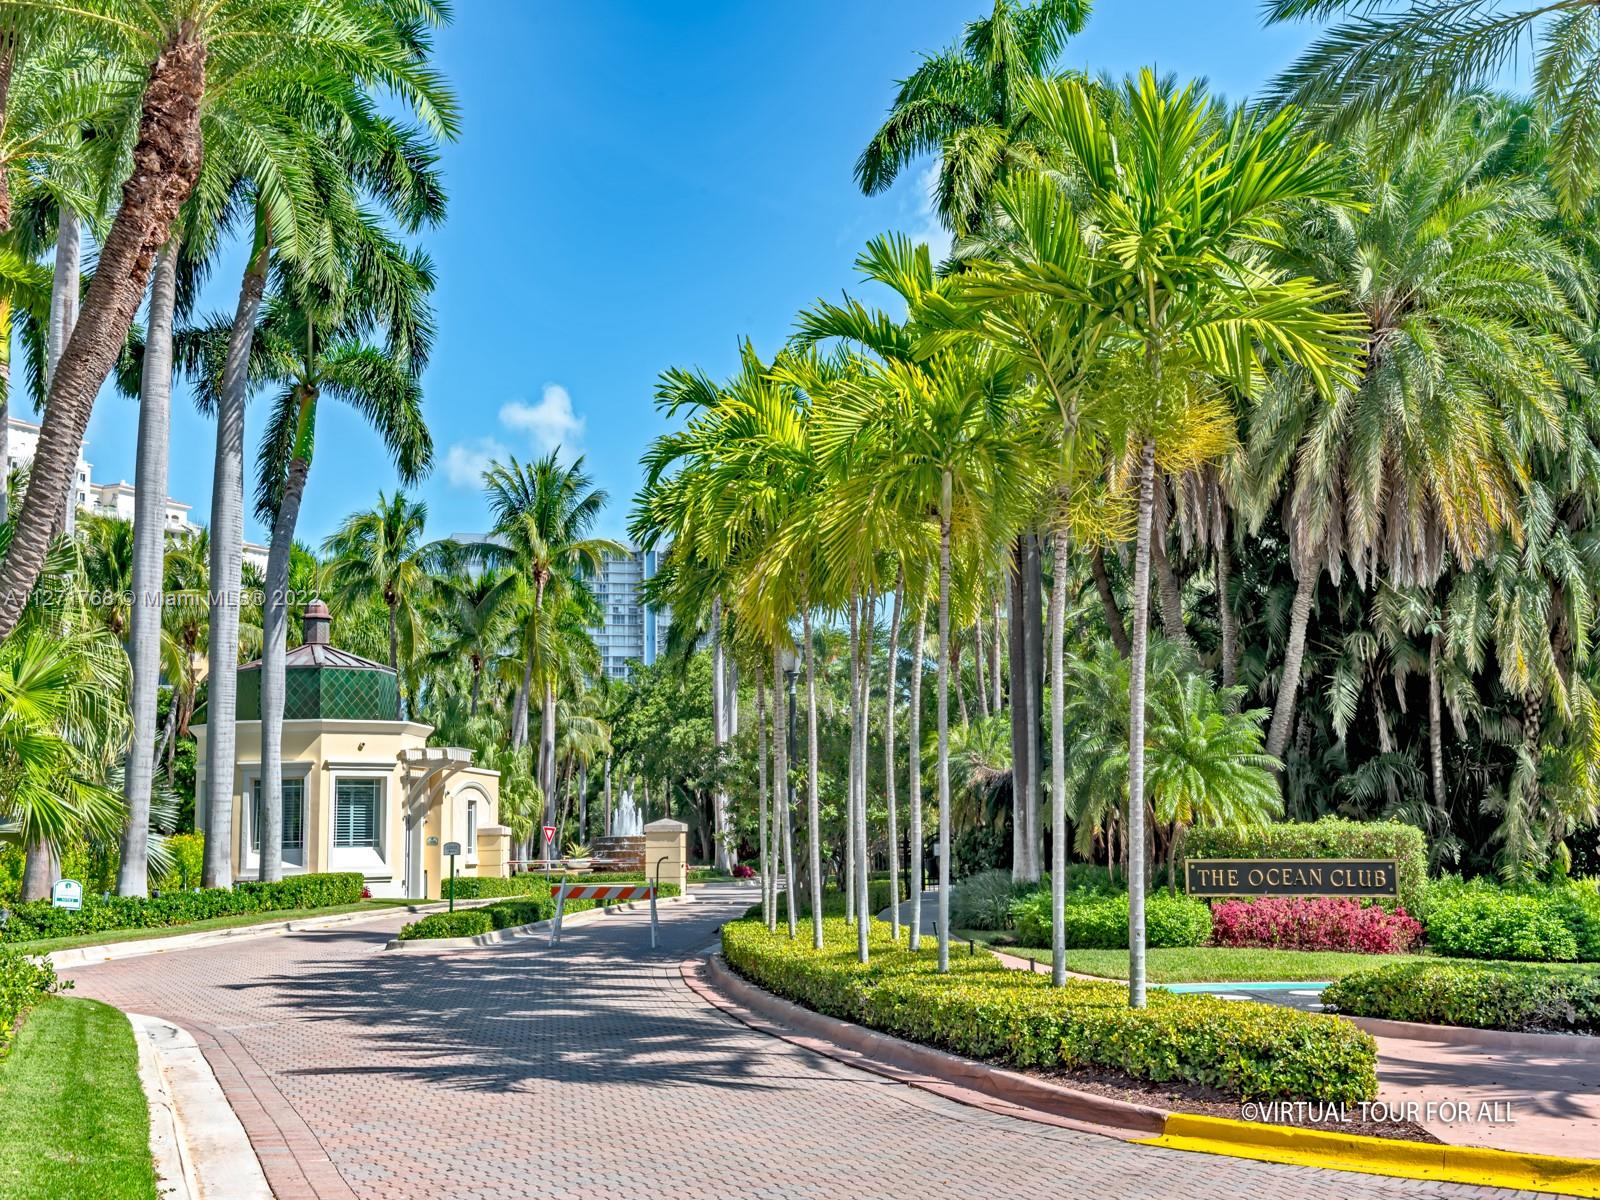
(164, 130)
(1314, 385)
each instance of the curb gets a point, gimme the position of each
(198, 1143)
(966, 1080)
(1580, 1044)
(1380, 1156)
(516, 933)
(88, 956)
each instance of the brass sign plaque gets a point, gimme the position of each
(1291, 877)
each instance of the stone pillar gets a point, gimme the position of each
(494, 851)
(667, 839)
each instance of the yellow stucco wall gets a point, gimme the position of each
(423, 806)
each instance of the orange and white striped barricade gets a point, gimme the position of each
(603, 891)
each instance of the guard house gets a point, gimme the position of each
(362, 790)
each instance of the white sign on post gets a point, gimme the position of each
(67, 894)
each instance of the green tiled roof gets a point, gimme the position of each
(325, 693)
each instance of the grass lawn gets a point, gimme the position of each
(73, 1120)
(1212, 964)
(45, 945)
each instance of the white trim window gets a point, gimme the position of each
(358, 815)
(472, 830)
(293, 793)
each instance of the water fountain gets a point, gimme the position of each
(623, 847)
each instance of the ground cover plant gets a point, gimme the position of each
(986, 1011)
(1314, 923)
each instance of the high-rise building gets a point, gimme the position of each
(631, 631)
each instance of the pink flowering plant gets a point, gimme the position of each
(1314, 923)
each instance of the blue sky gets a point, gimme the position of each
(639, 185)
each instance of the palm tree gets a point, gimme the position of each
(473, 618)
(187, 52)
(378, 556)
(544, 512)
(1173, 194)
(965, 103)
(1472, 343)
(1406, 61)
(314, 342)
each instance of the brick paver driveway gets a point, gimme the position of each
(592, 1070)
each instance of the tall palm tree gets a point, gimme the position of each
(544, 511)
(1463, 296)
(1174, 193)
(964, 103)
(315, 342)
(186, 52)
(379, 556)
(474, 623)
(1406, 61)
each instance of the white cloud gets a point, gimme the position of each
(924, 220)
(551, 423)
(465, 462)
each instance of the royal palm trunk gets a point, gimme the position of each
(813, 807)
(888, 758)
(227, 551)
(166, 160)
(719, 732)
(149, 552)
(275, 649)
(1058, 766)
(64, 287)
(1136, 675)
(914, 774)
(768, 917)
(942, 717)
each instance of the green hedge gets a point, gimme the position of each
(471, 887)
(1537, 924)
(1482, 995)
(503, 914)
(983, 1010)
(23, 982)
(1096, 922)
(1330, 837)
(833, 901)
(38, 919)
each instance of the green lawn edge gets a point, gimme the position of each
(233, 921)
(73, 1116)
(1212, 964)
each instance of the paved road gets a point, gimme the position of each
(592, 1070)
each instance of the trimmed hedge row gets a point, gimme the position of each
(1482, 920)
(38, 919)
(503, 914)
(1330, 837)
(1314, 923)
(1481, 995)
(23, 982)
(1096, 922)
(983, 1010)
(472, 887)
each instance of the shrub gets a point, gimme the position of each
(983, 901)
(1481, 920)
(1579, 905)
(1330, 837)
(23, 981)
(39, 919)
(744, 871)
(1096, 922)
(1314, 923)
(188, 851)
(470, 887)
(985, 1011)
(1530, 997)
(833, 900)
(503, 914)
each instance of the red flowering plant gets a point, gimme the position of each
(1314, 923)
(744, 871)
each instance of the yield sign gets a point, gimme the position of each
(549, 835)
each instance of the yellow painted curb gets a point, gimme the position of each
(1380, 1156)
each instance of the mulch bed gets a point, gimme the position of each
(1209, 1102)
